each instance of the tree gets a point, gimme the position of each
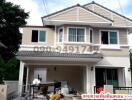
(11, 18)
(8, 69)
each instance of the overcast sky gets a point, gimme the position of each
(37, 8)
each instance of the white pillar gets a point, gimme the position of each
(27, 77)
(88, 87)
(128, 77)
(84, 79)
(90, 79)
(20, 83)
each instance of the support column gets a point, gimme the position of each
(128, 77)
(27, 77)
(90, 79)
(88, 87)
(20, 83)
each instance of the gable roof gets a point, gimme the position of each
(108, 10)
(78, 5)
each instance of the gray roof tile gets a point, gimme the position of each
(57, 54)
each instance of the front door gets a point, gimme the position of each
(40, 73)
(106, 77)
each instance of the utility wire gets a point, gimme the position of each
(45, 6)
(120, 6)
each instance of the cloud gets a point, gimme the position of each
(32, 7)
(111, 4)
(129, 15)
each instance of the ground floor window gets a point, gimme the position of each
(106, 77)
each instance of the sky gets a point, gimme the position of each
(37, 9)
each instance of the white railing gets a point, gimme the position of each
(64, 48)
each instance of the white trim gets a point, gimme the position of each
(85, 35)
(62, 27)
(27, 78)
(108, 66)
(78, 22)
(24, 58)
(76, 28)
(112, 47)
(55, 34)
(109, 36)
(90, 35)
(127, 31)
(46, 37)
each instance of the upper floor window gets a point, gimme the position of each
(38, 36)
(109, 37)
(76, 34)
(60, 34)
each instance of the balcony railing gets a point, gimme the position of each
(64, 48)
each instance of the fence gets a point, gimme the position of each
(116, 90)
(12, 88)
(122, 90)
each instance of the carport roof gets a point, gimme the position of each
(56, 54)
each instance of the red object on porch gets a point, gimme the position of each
(100, 89)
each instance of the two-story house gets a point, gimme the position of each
(83, 46)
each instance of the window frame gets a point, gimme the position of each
(90, 35)
(76, 29)
(59, 34)
(39, 35)
(100, 35)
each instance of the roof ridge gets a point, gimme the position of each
(107, 9)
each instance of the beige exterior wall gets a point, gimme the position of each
(99, 10)
(26, 39)
(72, 74)
(78, 14)
(122, 35)
(27, 36)
(67, 15)
(123, 52)
(87, 16)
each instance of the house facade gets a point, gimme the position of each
(83, 46)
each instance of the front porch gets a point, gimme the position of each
(79, 72)
(75, 70)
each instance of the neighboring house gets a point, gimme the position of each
(87, 47)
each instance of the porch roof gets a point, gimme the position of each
(57, 54)
(56, 58)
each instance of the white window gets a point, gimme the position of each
(60, 34)
(76, 34)
(109, 37)
(38, 36)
